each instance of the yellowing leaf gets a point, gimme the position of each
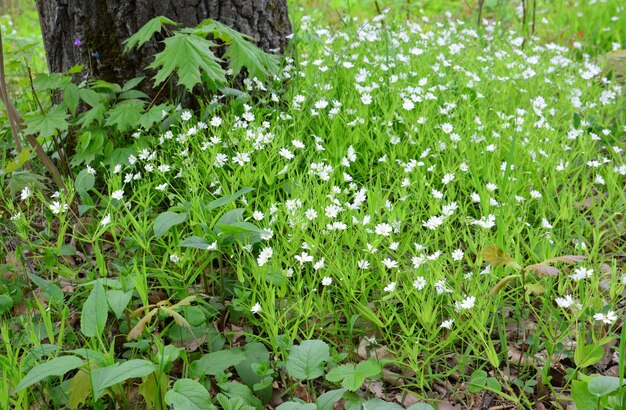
(181, 321)
(543, 270)
(566, 259)
(497, 257)
(79, 388)
(141, 325)
(501, 284)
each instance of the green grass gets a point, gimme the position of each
(392, 157)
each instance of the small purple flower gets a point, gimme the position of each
(78, 42)
(95, 55)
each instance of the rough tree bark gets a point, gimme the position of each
(91, 32)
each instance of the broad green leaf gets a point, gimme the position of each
(20, 160)
(216, 363)
(51, 290)
(91, 97)
(118, 300)
(327, 400)
(153, 115)
(233, 403)
(50, 81)
(151, 388)
(245, 54)
(587, 355)
(103, 378)
(125, 115)
(166, 220)
(604, 385)
(6, 303)
(146, 32)
(70, 97)
(194, 242)
(227, 199)
(187, 55)
(378, 404)
(93, 317)
(480, 381)
(187, 394)
(254, 354)
(132, 83)
(84, 182)
(55, 367)
(306, 361)
(233, 389)
(421, 406)
(296, 405)
(237, 227)
(133, 95)
(47, 125)
(352, 377)
(582, 397)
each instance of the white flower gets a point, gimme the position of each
(457, 255)
(535, 194)
(390, 263)
(216, 121)
(363, 264)
(433, 222)
(491, 186)
(326, 281)
(185, 116)
(212, 246)
(258, 215)
(174, 258)
(383, 229)
(304, 258)
(119, 194)
(545, 223)
(366, 99)
(264, 256)
(419, 283)
(310, 214)
(447, 178)
(581, 273)
(447, 324)
(25, 194)
(319, 264)
(391, 287)
(256, 308)
(106, 220)
(485, 222)
(565, 302)
(609, 318)
(466, 303)
(56, 207)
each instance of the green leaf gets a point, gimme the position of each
(227, 199)
(421, 406)
(70, 97)
(306, 361)
(352, 377)
(166, 220)
(125, 115)
(587, 355)
(84, 182)
(50, 81)
(47, 125)
(6, 303)
(233, 389)
(378, 404)
(582, 397)
(216, 363)
(604, 385)
(20, 160)
(187, 55)
(79, 388)
(327, 400)
(296, 405)
(237, 227)
(146, 32)
(93, 317)
(245, 54)
(132, 83)
(187, 394)
(154, 114)
(480, 381)
(194, 242)
(52, 291)
(105, 377)
(55, 367)
(233, 403)
(118, 300)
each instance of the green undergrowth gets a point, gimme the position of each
(399, 213)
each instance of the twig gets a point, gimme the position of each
(481, 3)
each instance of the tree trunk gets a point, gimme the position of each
(91, 32)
